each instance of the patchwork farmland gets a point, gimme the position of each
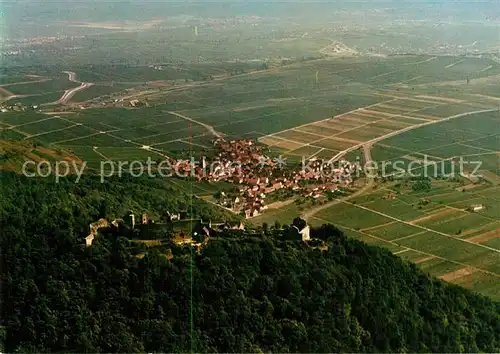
(397, 108)
(368, 125)
(313, 108)
(439, 232)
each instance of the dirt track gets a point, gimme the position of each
(206, 126)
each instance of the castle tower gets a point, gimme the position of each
(132, 219)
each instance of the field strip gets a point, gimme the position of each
(58, 113)
(400, 149)
(28, 123)
(453, 64)
(424, 259)
(417, 118)
(420, 62)
(406, 81)
(316, 153)
(460, 142)
(206, 126)
(20, 132)
(283, 139)
(277, 205)
(158, 124)
(125, 140)
(457, 274)
(441, 212)
(422, 227)
(442, 99)
(492, 177)
(414, 99)
(468, 187)
(110, 126)
(25, 82)
(479, 148)
(384, 74)
(382, 115)
(485, 69)
(98, 132)
(378, 226)
(168, 141)
(191, 143)
(6, 92)
(51, 131)
(361, 126)
(95, 148)
(415, 250)
(409, 236)
(341, 132)
(158, 134)
(425, 117)
(323, 120)
(486, 96)
(259, 117)
(301, 131)
(77, 138)
(397, 132)
(491, 235)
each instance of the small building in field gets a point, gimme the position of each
(476, 207)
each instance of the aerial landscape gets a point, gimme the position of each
(250, 176)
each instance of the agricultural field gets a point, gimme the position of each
(474, 138)
(37, 99)
(438, 232)
(320, 108)
(42, 86)
(95, 91)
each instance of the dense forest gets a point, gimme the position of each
(243, 292)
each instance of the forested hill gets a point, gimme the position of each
(240, 293)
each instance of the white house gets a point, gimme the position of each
(304, 233)
(477, 207)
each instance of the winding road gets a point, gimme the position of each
(68, 94)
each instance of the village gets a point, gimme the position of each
(260, 178)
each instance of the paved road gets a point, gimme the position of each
(68, 94)
(71, 76)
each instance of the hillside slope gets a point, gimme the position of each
(241, 293)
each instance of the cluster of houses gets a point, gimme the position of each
(260, 175)
(138, 103)
(243, 163)
(15, 107)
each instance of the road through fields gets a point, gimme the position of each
(397, 132)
